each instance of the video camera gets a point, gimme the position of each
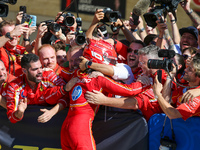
(166, 142)
(51, 25)
(4, 8)
(164, 7)
(110, 15)
(80, 38)
(165, 64)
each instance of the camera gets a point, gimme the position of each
(68, 19)
(80, 37)
(51, 25)
(165, 64)
(166, 143)
(164, 7)
(4, 8)
(110, 15)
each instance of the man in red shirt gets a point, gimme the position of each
(36, 86)
(4, 79)
(11, 52)
(182, 110)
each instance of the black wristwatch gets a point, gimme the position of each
(7, 35)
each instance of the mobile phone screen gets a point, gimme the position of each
(34, 20)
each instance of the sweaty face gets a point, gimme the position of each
(34, 73)
(132, 56)
(143, 59)
(61, 57)
(187, 40)
(48, 57)
(9, 28)
(73, 58)
(3, 72)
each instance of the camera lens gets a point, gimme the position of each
(156, 64)
(69, 21)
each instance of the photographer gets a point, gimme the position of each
(182, 110)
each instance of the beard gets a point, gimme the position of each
(34, 78)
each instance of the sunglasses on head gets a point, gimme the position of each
(135, 51)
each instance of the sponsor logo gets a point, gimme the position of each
(76, 93)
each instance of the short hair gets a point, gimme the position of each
(196, 64)
(151, 51)
(45, 45)
(6, 22)
(192, 50)
(59, 46)
(181, 61)
(27, 59)
(149, 38)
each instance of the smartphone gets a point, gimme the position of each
(34, 20)
(22, 8)
(159, 73)
(135, 18)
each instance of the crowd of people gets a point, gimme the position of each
(56, 70)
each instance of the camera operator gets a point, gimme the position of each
(182, 110)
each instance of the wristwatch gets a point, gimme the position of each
(7, 35)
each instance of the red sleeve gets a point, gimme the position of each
(191, 109)
(4, 58)
(121, 48)
(117, 88)
(12, 97)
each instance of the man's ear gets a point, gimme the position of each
(24, 70)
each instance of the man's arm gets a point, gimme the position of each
(99, 98)
(3, 102)
(169, 110)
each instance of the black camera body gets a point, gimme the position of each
(164, 7)
(51, 25)
(165, 64)
(110, 15)
(168, 143)
(80, 37)
(4, 8)
(68, 19)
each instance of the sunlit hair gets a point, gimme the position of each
(6, 22)
(151, 51)
(45, 45)
(192, 50)
(196, 64)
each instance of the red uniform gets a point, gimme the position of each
(137, 73)
(185, 109)
(76, 130)
(66, 74)
(4, 84)
(48, 91)
(57, 69)
(10, 59)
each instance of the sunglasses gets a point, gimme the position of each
(185, 56)
(129, 50)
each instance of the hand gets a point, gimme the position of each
(190, 95)
(82, 63)
(19, 30)
(95, 74)
(19, 17)
(71, 83)
(162, 26)
(22, 105)
(144, 80)
(32, 29)
(95, 97)
(99, 15)
(60, 19)
(70, 37)
(42, 29)
(120, 57)
(46, 116)
(118, 23)
(157, 86)
(127, 24)
(185, 5)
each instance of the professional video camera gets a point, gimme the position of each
(110, 15)
(165, 64)
(167, 143)
(68, 19)
(80, 35)
(4, 8)
(55, 27)
(159, 10)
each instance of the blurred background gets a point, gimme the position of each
(48, 9)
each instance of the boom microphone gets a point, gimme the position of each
(141, 7)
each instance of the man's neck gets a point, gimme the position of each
(32, 85)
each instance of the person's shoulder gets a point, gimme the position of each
(17, 82)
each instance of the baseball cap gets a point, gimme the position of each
(192, 30)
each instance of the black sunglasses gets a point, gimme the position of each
(129, 50)
(186, 56)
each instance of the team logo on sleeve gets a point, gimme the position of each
(76, 93)
(22, 95)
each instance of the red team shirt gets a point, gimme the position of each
(48, 91)
(76, 130)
